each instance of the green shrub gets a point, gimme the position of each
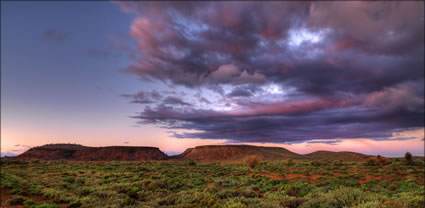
(80, 181)
(413, 198)
(337, 163)
(292, 203)
(370, 204)
(342, 197)
(419, 162)
(11, 182)
(190, 162)
(297, 189)
(370, 162)
(352, 183)
(317, 163)
(252, 161)
(395, 170)
(288, 162)
(69, 179)
(16, 200)
(234, 203)
(29, 202)
(85, 191)
(45, 206)
(408, 158)
(168, 200)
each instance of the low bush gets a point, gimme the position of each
(69, 179)
(85, 191)
(252, 161)
(370, 162)
(29, 202)
(80, 181)
(190, 162)
(337, 163)
(342, 197)
(17, 200)
(292, 203)
(288, 162)
(408, 158)
(317, 163)
(45, 206)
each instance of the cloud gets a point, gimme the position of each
(282, 122)
(239, 93)
(281, 71)
(55, 36)
(23, 146)
(403, 96)
(330, 142)
(226, 74)
(171, 100)
(376, 27)
(143, 97)
(8, 154)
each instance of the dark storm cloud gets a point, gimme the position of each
(284, 122)
(355, 69)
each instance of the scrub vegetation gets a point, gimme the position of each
(173, 183)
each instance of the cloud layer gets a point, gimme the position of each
(280, 71)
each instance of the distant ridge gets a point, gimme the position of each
(204, 153)
(329, 155)
(236, 152)
(84, 153)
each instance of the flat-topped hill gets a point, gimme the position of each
(79, 152)
(236, 152)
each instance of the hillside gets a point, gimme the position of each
(206, 153)
(79, 152)
(236, 152)
(329, 155)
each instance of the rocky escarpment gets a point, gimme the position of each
(83, 153)
(236, 152)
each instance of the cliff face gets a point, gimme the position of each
(236, 152)
(78, 152)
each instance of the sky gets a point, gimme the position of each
(306, 76)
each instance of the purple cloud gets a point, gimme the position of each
(281, 71)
